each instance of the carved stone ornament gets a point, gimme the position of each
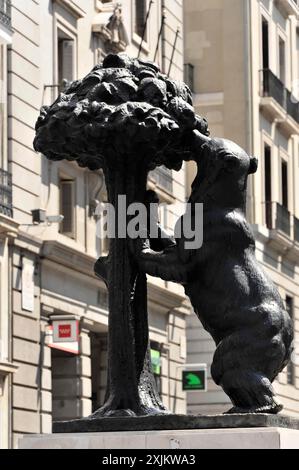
(112, 31)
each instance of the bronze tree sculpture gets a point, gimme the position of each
(126, 118)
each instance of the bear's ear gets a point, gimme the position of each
(254, 163)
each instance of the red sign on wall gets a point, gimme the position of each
(63, 334)
(64, 331)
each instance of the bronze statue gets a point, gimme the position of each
(127, 118)
(232, 296)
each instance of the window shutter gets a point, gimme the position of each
(66, 60)
(140, 16)
(67, 209)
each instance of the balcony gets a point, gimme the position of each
(292, 106)
(288, 7)
(6, 194)
(5, 21)
(278, 218)
(278, 103)
(283, 229)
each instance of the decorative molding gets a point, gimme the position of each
(96, 191)
(102, 7)
(278, 241)
(5, 35)
(287, 7)
(68, 257)
(274, 112)
(109, 26)
(261, 233)
(72, 7)
(7, 368)
(163, 299)
(208, 99)
(28, 242)
(8, 227)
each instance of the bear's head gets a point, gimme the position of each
(223, 170)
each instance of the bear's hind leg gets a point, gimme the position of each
(250, 392)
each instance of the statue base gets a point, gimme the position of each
(175, 422)
(172, 432)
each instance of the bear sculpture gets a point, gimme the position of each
(230, 292)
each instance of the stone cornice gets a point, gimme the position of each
(68, 256)
(104, 7)
(8, 227)
(72, 7)
(29, 242)
(7, 368)
(164, 299)
(208, 99)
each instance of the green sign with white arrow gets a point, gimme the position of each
(194, 380)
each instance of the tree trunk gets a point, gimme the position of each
(131, 388)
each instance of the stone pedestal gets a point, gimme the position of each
(172, 432)
(254, 438)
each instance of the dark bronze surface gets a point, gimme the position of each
(176, 422)
(127, 118)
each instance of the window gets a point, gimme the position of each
(99, 366)
(140, 10)
(102, 240)
(265, 39)
(67, 207)
(268, 185)
(156, 364)
(2, 106)
(291, 376)
(66, 58)
(64, 371)
(189, 76)
(284, 183)
(282, 60)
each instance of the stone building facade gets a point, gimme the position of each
(242, 61)
(46, 267)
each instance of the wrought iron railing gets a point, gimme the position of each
(269, 215)
(292, 106)
(5, 13)
(283, 219)
(163, 178)
(278, 217)
(272, 86)
(6, 193)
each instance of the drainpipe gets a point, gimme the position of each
(163, 12)
(249, 102)
(10, 346)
